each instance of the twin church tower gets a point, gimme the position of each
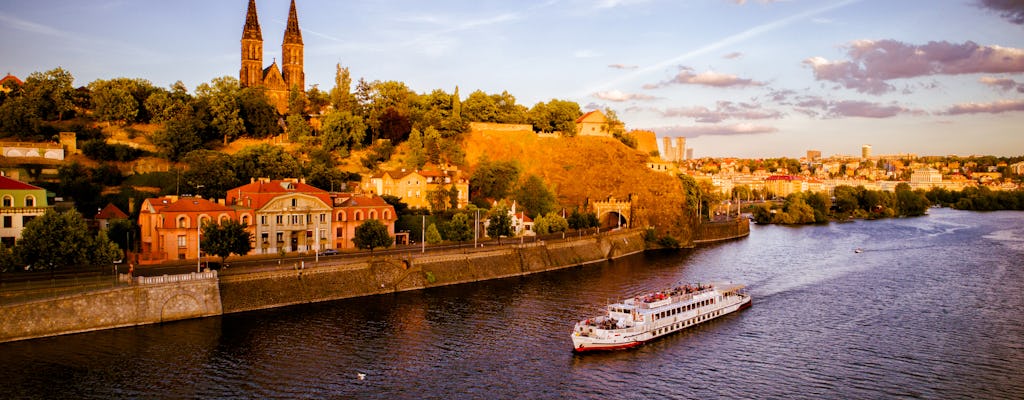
(276, 81)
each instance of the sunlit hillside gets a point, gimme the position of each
(589, 167)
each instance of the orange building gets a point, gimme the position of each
(351, 210)
(170, 226)
(288, 214)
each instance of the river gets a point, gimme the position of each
(932, 307)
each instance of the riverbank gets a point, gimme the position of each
(152, 300)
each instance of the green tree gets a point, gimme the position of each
(266, 161)
(259, 116)
(416, 158)
(55, 240)
(298, 128)
(499, 223)
(911, 203)
(341, 96)
(535, 196)
(556, 223)
(296, 101)
(433, 235)
(112, 100)
(555, 116)
(459, 228)
(221, 95)
(493, 180)
(372, 234)
(50, 93)
(226, 238)
(102, 250)
(18, 118)
(179, 136)
(342, 130)
(209, 173)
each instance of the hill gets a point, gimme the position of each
(585, 167)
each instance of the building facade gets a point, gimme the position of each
(675, 148)
(277, 81)
(288, 215)
(21, 203)
(421, 188)
(593, 123)
(170, 226)
(351, 210)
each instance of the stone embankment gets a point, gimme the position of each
(169, 298)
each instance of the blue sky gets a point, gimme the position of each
(748, 78)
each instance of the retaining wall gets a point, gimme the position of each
(146, 301)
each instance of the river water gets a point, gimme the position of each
(933, 307)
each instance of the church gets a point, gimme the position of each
(275, 80)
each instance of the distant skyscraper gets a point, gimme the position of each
(689, 153)
(813, 155)
(675, 148)
(865, 151)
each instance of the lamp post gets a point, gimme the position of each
(199, 238)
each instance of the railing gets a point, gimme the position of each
(192, 276)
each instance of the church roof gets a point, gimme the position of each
(252, 23)
(292, 34)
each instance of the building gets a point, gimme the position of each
(9, 82)
(108, 213)
(593, 123)
(277, 81)
(865, 152)
(21, 203)
(784, 185)
(689, 154)
(351, 210)
(675, 148)
(170, 226)
(418, 188)
(288, 215)
(813, 155)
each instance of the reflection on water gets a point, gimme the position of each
(930, 308)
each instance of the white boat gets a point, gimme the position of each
(633, 322)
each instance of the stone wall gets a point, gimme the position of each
(385, 274)
(496, 127)
(723, 230)
(145, 301)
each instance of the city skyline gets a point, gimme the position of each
(736, 78)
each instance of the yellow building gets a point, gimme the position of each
(593, 123)
(423, 188)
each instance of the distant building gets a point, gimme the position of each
(21, 203)
(108, 213)
(675, 148)
(415, 188)
(813, 155)
(593, 123)
(865, 152)
(926, 176)
(689, 154)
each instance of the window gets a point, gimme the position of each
(280, 237)
(387, 215)
(280, 219)
(294, 202)
(373, 214)
(30, 201)
(182, 242)
(359, 215)
(340, 232)
(323, 217)
(182, 222)
(341, 216)
(245, 219)
(8, 201)
(8, 221)
(263, 219)
(26, 219)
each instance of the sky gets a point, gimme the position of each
(737, 78)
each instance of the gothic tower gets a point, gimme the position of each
(292, 52)
(251, 73)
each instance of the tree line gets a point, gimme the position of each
(846, 202)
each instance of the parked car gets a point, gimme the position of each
(329, 252)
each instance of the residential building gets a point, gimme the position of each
(784, 185)
(288, 215)
(593, 123)
(103, 217)
(865, 152)
(675, 148)
(418, 188)
(170, 226)
(21, 203)
(351, 210)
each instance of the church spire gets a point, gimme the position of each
(252, 23)
(292, 34)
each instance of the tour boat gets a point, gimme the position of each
(632, 322)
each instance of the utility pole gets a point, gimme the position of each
(423, 235)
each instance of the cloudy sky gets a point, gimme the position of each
(754, 78)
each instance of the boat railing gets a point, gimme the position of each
(670, 299)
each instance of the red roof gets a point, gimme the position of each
(110, 212)
(783, 178)
(584, 116)
(11, 184)
(10, 77)
(195, 204)
(256, 194)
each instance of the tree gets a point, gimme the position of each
(266, 161)
(55, 240)
(555, 116)
(493, 180)
(102, 250)
(499, 223)
(433, 235)
(221, 95)
(341, 96)
(372, 234)
(226, 238)
(210, 173)
(298, 128)
(416, 158)
(401, 208)
(341, 129)
(259, 116)
(49, 93)
(535, 196)
(459, 228)
(112, 100)
(296, 101)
